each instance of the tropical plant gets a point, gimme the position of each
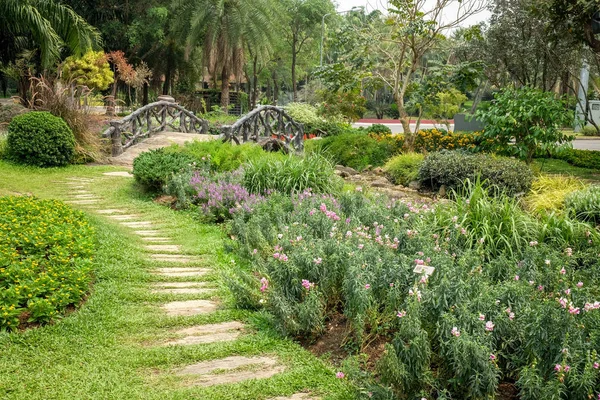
(530, 117)
(47, 25)
(224, 28)
(91, 70)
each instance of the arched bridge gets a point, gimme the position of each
(263, 125)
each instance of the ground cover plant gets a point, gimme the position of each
(154, 168)
(548, 192)
(46, 251)
(511, 298)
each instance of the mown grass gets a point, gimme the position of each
(560, 167)
(107, 349)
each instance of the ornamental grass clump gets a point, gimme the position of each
(46, 251)
(585, 204)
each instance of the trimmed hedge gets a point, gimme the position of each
(154, 168)
(581, 158)
(452, 168)
(40, 139)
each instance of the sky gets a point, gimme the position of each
(370, 5)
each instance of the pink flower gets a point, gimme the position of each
(392, 284)
(307, 284)
(283, 257)
(276, 255)
(318, 260)
(323, 207)
(579, 284)
(264, 284)
(563, 302)
(568, 292)
(455, 332)
(574, 310)
(401, 314)
(254, 251)
(492, 357)
(516, 277)
(360, 246)
(489, 326)
(511, 316)
(533, 243)
(367, 286)
(540, 288)
(423, 279)
(349, 234)
(567, 368)
(481, 317)
(558, 367)
(340, 375)
(563, 271)
(596, 365)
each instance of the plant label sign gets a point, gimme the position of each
(424, 269)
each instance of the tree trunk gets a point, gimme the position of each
(111, 101)
(275, 88)
(167, 84)
(225, 89)
(479, 96)
(254, 83)
(404, 120)
(294, 84)
(145, 94)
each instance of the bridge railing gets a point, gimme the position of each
(265, 123)
(149, 119)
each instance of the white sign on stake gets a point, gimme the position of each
(424, 269)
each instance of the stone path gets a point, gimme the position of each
(176, 279)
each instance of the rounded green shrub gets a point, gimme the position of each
(404, 168)
(379, 128)
(40, 139)
(452, 168)
(154, 168)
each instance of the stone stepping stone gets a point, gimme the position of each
(77, 187)
(231, 370)
(148, 233)
(297, 396)
(89, 201)
(156, 239)
(111, 211)
(173, 248)
(176, 258)
(119, 173)
(123, 217)
(188, 308)
(181, 272)
(138, 224)
(86, 196)
(203, 334)
(184, 291)
(165, 285)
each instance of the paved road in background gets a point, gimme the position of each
(580, 144)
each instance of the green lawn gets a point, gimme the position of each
(105, 350)
(560, 167)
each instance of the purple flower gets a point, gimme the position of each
(264, 284)
(307, 284)
(340, 375)
(492, 357)
(367, 286)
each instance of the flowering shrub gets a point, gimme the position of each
(223, 195)
(45, 260)
(467, 295)
(429, 140)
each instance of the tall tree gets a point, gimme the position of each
(406, 35)
(223, 27)
(304, 25)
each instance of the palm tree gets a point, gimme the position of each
(224, 27)
(43, 24)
